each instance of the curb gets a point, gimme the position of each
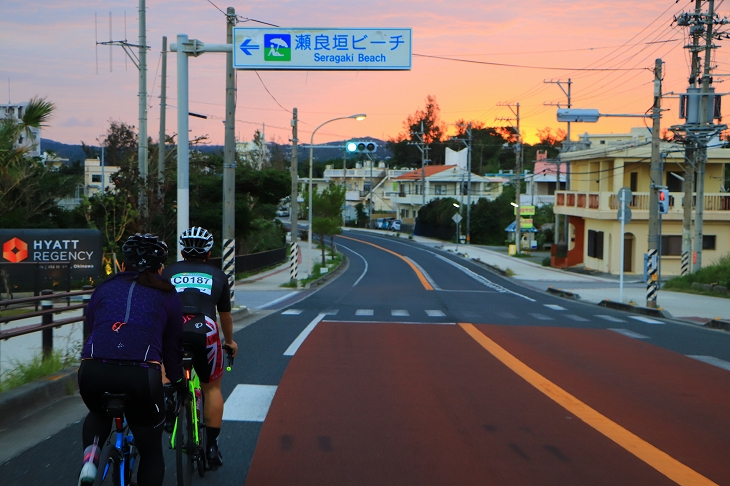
(563, 293)
(647, 311)
(717, 323)
(491, 267)
(26, 399)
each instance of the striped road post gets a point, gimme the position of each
(229, 265)
(685, 263)
(293, 261)
(652, 277)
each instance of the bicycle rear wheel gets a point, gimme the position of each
(183, 451)
(107, 472)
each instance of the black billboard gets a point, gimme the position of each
(51, 258)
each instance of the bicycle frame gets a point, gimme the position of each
(121, 459)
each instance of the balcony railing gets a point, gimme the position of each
(604, 201)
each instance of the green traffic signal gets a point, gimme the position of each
(361, 146)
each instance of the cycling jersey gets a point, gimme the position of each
(202, 288)
(131, 322)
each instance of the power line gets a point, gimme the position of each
(443, 58)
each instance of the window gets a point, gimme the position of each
(672, 245)
(708, 242)
(95, 177)
(674, 184)
(595, 244)
(634, 177)
(440, 189)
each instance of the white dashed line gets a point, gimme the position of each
(712, 361)
(610, 318)
(646, 320)
(248, 403)
(555, 307)
(541, 317)
(630, 334)
(292, 312)
(399, 313)
(364, 312)
(576, 318)
(435, 313)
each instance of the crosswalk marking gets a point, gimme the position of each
(646, 320)
(555, 307)
(610, 318)
(541, 317)
(399, 313)
(576, 318)
(712, 361)
(435, 313)
(364, 312)
(331, 312)
(630, 334)
(248, 403)
(507, 315)
(292, 312)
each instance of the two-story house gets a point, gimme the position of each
(606, 163)
(16, 111)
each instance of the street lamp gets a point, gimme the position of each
(358, 117)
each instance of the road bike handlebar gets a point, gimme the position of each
(229, 356)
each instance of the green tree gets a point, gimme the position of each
(405, 154)
(327, 214)
(29, 190)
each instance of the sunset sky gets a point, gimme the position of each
(49, 51)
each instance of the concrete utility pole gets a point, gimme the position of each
(566, 146)
(423, 147)
(163, 108)
(705, 122)
(229, 163)
(142, 142)
(294, 205)
(518, 169)
(655, 170)
(468, 187)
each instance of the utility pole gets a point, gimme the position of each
(566, 146)
(142, 142)
(468, 187)
(423, 147)
(163, 108)
(655, 173)
(518, 169)
(229, 163)
(294, 205)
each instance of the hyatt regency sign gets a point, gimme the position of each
(322, 49)
(53, 250)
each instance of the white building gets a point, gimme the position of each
(16, 111)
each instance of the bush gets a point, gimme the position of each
(718, 274)
(546, 262)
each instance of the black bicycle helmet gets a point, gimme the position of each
(196, 241)
(144, 252)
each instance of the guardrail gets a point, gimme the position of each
(46, 314)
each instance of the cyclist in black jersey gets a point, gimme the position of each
(203, 289)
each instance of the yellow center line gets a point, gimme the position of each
(659, 460)
(419, 273)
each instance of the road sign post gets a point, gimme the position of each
(457, 219)
(624, 216)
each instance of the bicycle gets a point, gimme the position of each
(189, 416)
(119, 456)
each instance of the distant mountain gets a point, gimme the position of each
(73, 153)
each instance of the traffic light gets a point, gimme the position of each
(663, 201)
(362, 147)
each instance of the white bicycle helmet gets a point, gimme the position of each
(196, 241)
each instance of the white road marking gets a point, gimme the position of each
(712, 361)
(363, 259)
(399, 313)
(276, 301)
(331, 312)
(292, 312)
(249, 403)
(482, 280)
(555, 307)
(576, 318)
(541, 317)
(646, 320)
(435, 313)
(396, 322)
(302, 336)
(364, 312)
(610, 318)
(507, 315)
(630, 334)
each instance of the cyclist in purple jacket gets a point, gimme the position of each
(135, 324)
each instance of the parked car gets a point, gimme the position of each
(380, 223)
(282, 213)
(395, 226)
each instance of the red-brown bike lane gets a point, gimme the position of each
(402, 404)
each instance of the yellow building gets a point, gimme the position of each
(601, 166)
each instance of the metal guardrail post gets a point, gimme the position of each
(47, 319)
(86, 299)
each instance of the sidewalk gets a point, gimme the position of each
(689, 307)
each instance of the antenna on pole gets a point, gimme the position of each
(110, 41)
(96, 42)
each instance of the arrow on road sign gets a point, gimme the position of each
(246, 45)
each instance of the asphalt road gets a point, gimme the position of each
(417, 367)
